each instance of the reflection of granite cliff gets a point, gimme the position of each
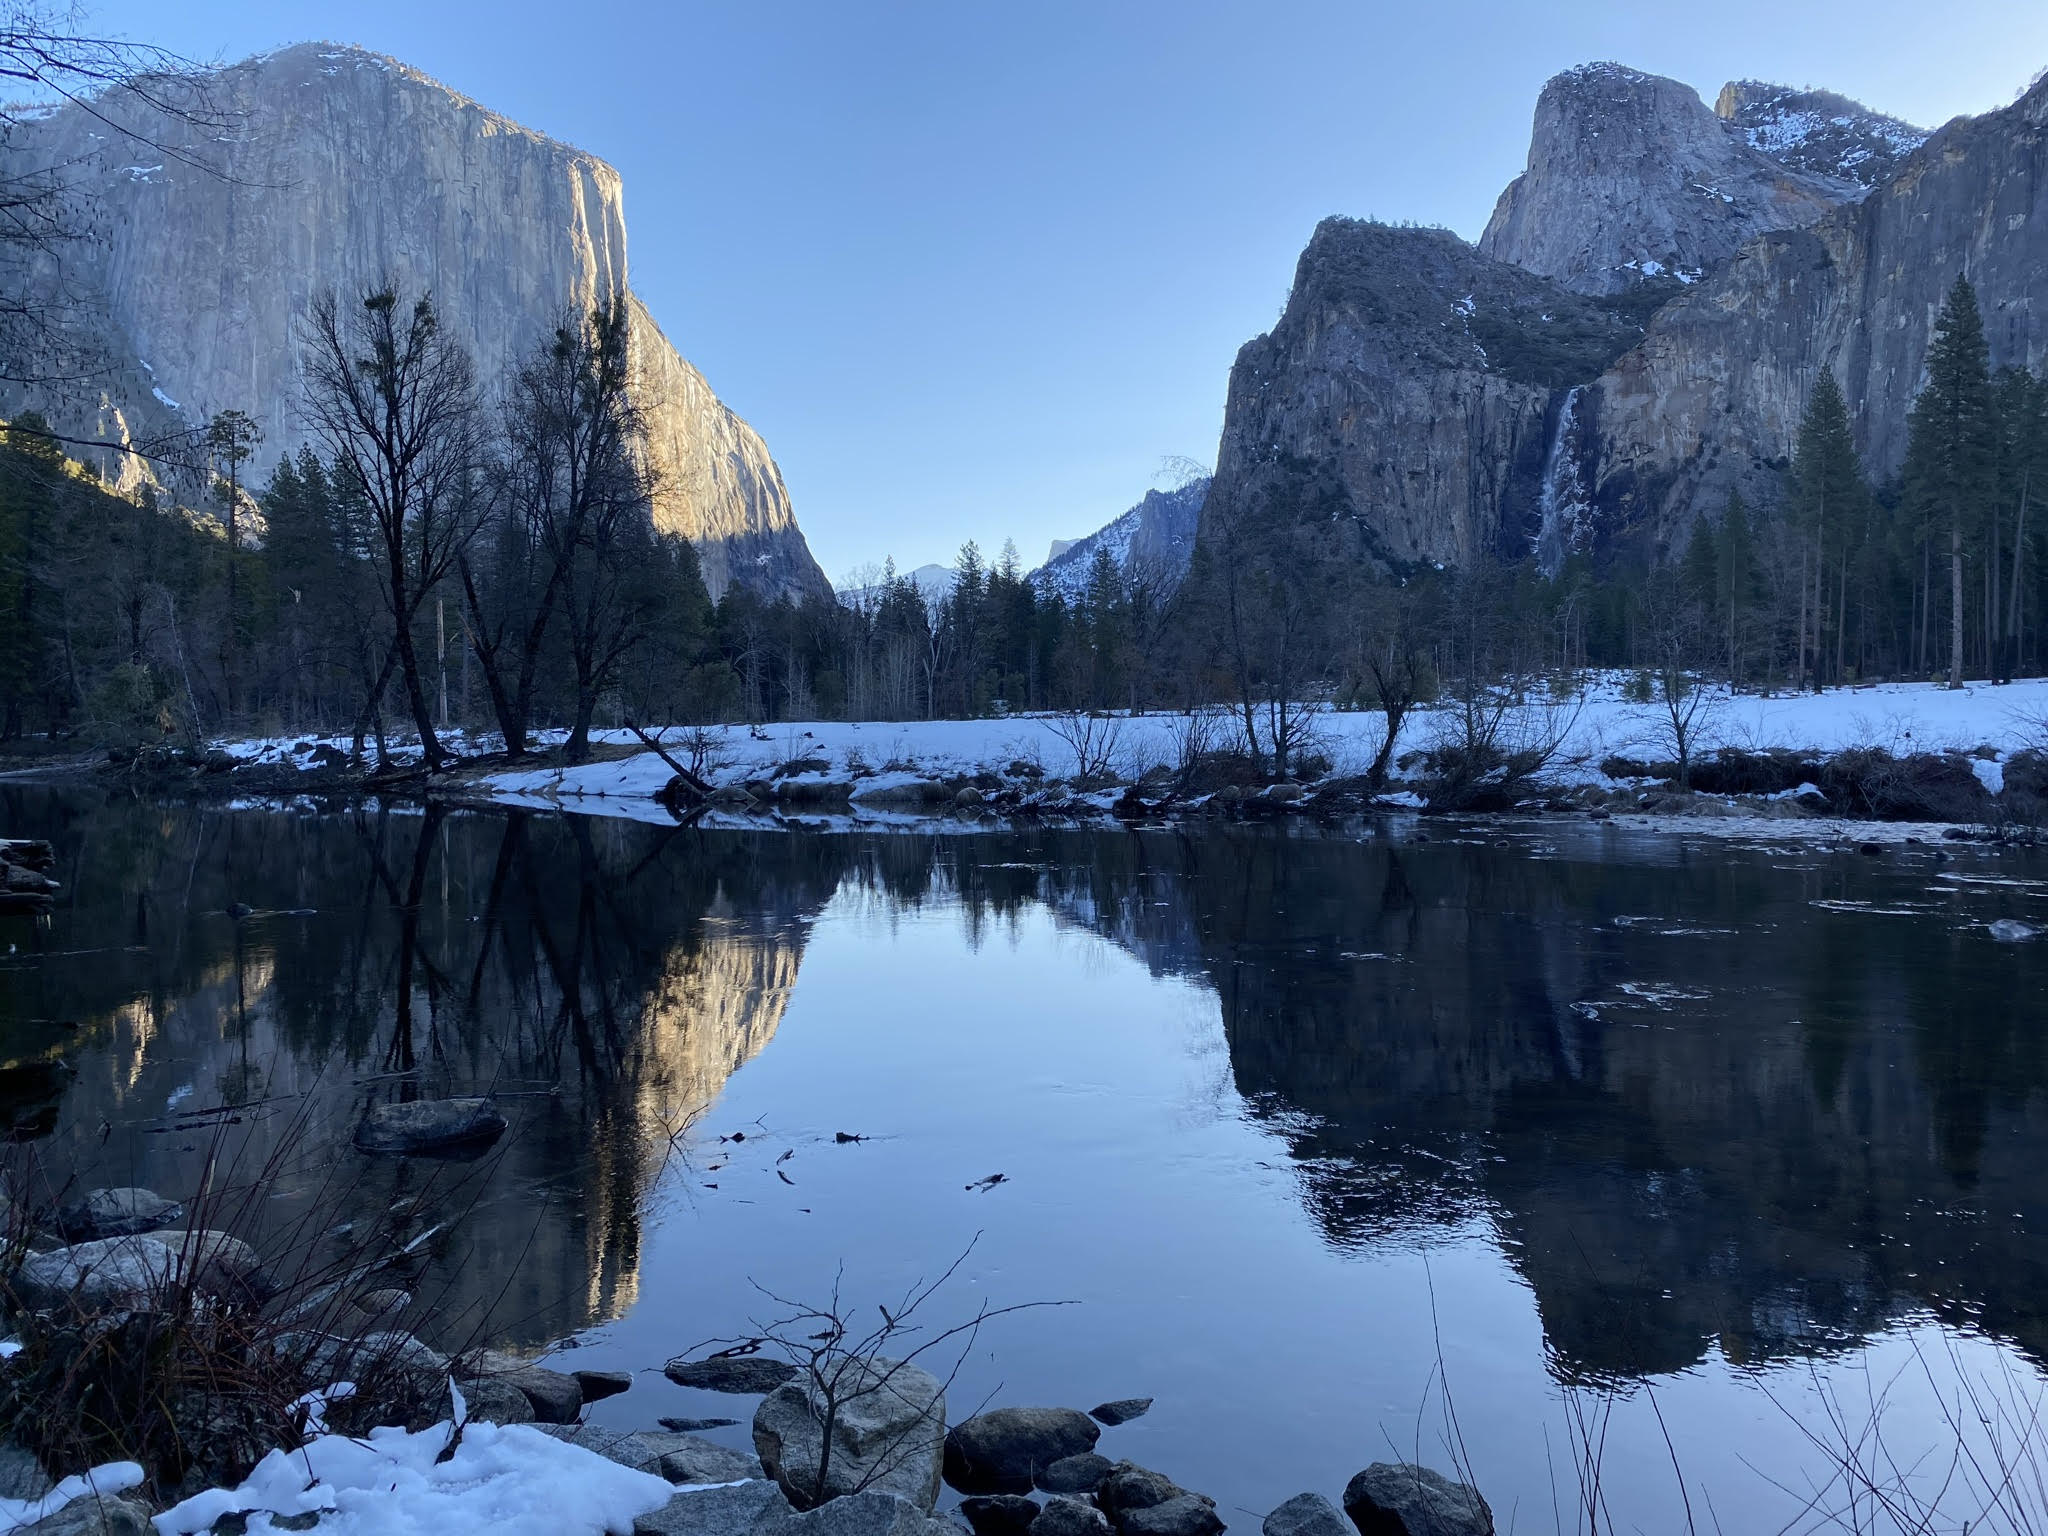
(602, 979)
(1777, 1164)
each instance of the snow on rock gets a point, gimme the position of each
(116, 1477)
(501, 1480)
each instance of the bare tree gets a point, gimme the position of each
(392, 397)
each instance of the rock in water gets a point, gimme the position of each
(2010, 931)
(97, 1276)
(354, 167)
(556, 1397)
(602, 1384)
(1121, 1410)
(430, 1125)
(706, 1461)
(999, 1514)
(741, 1375)
(1132, 1487)
(117, 1213)
(1306, 1514)
(1186, 1514)
(1402, 1499)
(858, 1514)
(1070, 1517)
(1075, 1474)
(889, 1422)
(715, 1511)
(1003, 1450)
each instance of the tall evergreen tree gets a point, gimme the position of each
(1951, 445)
(1830, 509)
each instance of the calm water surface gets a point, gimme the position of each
(1612, 1136)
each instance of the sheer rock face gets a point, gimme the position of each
(319, 169)
(1401, 411)
(1711, 399)
(1818, 131)
(1632, 179)
(1420, 402)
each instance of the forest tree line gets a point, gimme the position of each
(443, 561)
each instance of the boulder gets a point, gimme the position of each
(1070, 1517)
(1306, 1514)
(1002, 1451)
(640, 1449)
(223, 1260)
(348, 1357)
(741, 1375)
(555, 1396)
(97, 1276)
(889, 1423)
(715, 1511)
(1075, 1474)
(596, 1385)
(1121, 1411)
(94, 1516)
(1402, 1499)
(855, 1514)
(21, 1475)
(123, 1212)
(697, 1460)
(1185, 1514)
(999, 1514)
(430, 1125)
(1130, 1486)
(491, 1401)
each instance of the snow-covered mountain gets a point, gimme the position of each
(1818, 131)
(1157, 536)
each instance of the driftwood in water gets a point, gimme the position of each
(685, 783)
(25, 885)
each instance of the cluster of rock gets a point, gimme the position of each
(858, 1446)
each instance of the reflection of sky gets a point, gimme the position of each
(1139, 1188)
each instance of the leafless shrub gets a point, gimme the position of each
(839, 1364)
(1492, 743)
(1093, 738)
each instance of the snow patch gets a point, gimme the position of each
(497, 1480)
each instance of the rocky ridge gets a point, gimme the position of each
(319, 168)
(1156, 537)
(1818, 131)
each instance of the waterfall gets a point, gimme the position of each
(1563, 501)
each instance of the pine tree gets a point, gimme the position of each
(1951, 447)
(1830, 505)
(1737, 578)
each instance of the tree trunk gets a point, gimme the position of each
(1955, 601)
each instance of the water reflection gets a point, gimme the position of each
(1709, 1101)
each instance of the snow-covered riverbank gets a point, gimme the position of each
(883, 770)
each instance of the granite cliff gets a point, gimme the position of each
(320, 168)
(1404, 408)
(1711, 398)
(1637, 331)
(1632, 179)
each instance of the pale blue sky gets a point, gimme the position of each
(974, 269)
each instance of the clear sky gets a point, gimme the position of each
(974, 269)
